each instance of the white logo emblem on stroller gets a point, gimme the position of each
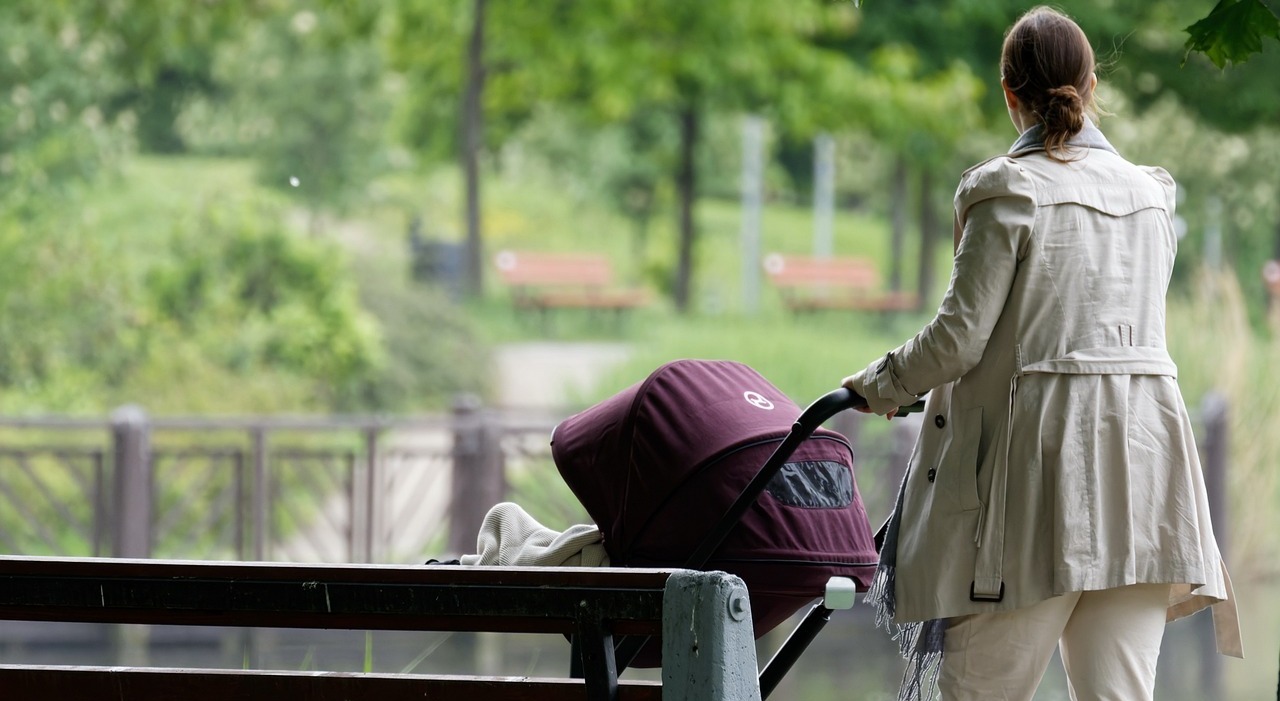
(757, 400)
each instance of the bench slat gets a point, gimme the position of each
(549, 600)
(136, 684)
(286, 571)
(558, 269)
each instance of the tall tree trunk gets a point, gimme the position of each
(1275, 243)
(898, 218)
(686, 185)
(472, 137)
(929, 235)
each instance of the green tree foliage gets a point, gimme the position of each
(323, 107)
(525, 64)
(426, 44)
(1230, 33)
(942, 38)
(922, 114)
(1148, 63)
(424, 35)
(1233, 31)
(303, 96)
(54, 133)
(164, 54)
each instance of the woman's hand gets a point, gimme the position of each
(857, 384)
(867, 410)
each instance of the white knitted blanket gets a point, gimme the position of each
(509, 536)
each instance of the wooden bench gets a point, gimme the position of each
(705, 628)
(811, 284)
(546, 281)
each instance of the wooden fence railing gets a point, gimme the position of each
(312, 489)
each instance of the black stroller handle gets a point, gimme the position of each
(827, 406)
(836, 401)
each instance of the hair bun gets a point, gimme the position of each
(1064, 110)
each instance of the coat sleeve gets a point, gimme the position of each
(1170, 188)
(995, 210)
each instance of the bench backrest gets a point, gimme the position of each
(804, 271)
(522, 268)
(715, 652)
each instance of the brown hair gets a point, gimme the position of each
(1047, 62)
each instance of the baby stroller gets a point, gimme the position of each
(682, 452)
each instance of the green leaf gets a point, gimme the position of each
(1232, 31)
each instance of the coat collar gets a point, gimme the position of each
(1089, 137)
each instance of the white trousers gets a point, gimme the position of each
(1109, 641)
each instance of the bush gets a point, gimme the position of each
(67, 322)
(258, 299)
(431, 351)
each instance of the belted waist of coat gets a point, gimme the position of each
(988, 575)
(1110, 360)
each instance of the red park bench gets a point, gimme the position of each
(812, 284)
(547, 281)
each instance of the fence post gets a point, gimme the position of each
(478, 480)
(1214, 415)
(370, 518)
(261, 485)
(131, 439)
(131, 534)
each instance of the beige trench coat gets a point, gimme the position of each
(1057, 454)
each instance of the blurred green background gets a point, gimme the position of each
(224, 207)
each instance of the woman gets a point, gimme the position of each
(1054, 497)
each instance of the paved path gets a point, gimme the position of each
(553, 375)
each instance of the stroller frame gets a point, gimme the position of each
(816, 414)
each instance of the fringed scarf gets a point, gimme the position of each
(920, 643)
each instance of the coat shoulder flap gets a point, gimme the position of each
(1167, 184)
(1002, 176)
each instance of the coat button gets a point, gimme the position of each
(939, 421)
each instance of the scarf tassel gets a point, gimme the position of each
(919, 643)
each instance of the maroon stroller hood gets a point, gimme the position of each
(658, 464)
